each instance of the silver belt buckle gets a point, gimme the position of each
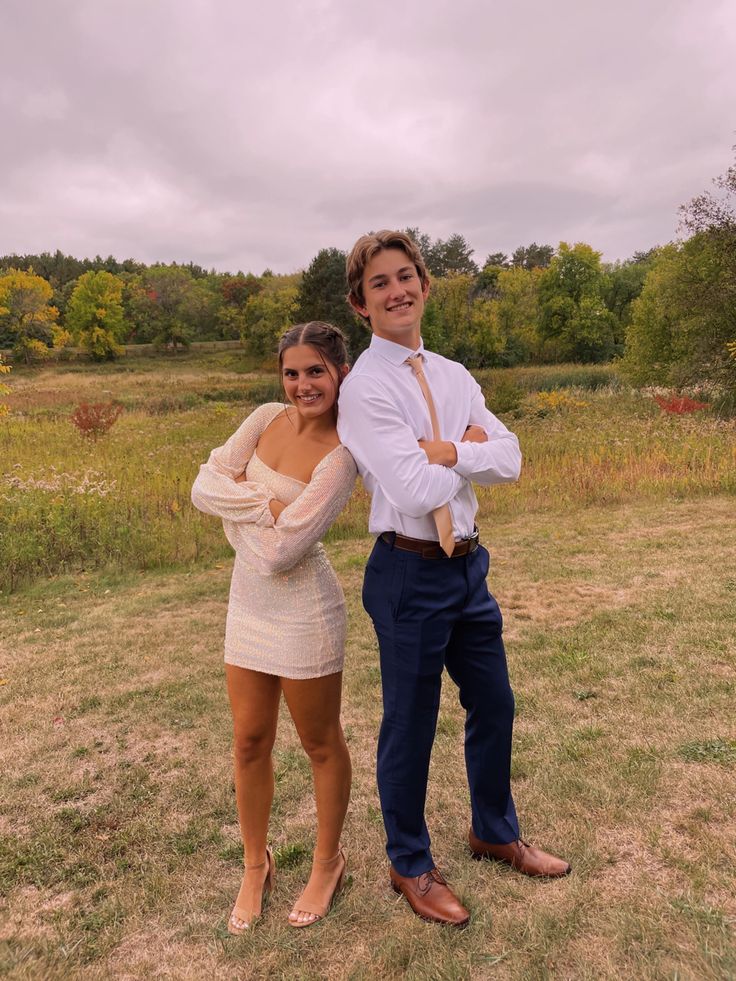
(474, 540)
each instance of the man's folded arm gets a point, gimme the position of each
(384, 445)
(497, 461)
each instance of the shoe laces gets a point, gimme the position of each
(427, 880)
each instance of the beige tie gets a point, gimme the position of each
(442, 516)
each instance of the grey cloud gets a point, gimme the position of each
(243, 137)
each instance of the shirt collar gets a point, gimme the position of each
(395, 353)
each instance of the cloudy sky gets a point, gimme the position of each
(244, 135)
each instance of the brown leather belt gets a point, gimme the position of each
(430, 550)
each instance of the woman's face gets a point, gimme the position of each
(310, 382)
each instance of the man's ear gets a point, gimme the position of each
(425, 289)
(360, 310)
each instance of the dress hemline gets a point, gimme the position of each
(254, 664)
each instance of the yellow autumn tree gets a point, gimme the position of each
(4, 369)
(27, 318)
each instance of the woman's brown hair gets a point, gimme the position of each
(328, 341)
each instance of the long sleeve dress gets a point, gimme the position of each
(286, 614)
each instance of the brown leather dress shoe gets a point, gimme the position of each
(430, 897)
(521, 855)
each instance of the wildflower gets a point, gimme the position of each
(91, 483)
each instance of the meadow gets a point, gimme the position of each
(614, 561)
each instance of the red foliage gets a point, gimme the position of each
(237, 289)
(96, 418)
(678, 405)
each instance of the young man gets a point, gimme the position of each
(418, 428)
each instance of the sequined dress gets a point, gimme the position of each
(286, 614)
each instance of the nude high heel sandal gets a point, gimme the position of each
(308, 903)
(248, 917)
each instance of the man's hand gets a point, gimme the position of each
(475, 434)
(439, 451)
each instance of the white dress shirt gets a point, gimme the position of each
(382, 414)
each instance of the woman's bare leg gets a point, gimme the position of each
(254, 702)
(314, 705)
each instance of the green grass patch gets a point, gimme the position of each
(721, 751)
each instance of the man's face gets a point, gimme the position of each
(394, 297)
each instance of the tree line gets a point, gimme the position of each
(540, 304)
(668, 313)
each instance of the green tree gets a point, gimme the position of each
(504, 322)
(95, 314)
(650, 332)
(267, 315)
(624, 283)
(444, 258)
(532, 256)
(422, 240)
(685, 318)
(518, 314)
(683, 325)
(168, 306)
(451, 296)
(497, 259)
(321, 296)
(488, 342)
(26, 317)
(451, 257)
(714, 213)
(59, 269)
(486, 282)
(433, 330)
(574, 321)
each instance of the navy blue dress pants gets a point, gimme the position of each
(430, 614)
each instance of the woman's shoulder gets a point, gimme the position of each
(269, 409)
(339, 459)
(263, 415)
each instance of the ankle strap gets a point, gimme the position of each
(329, 861)
(267, 860)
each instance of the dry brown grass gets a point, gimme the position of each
(120, 853)
(61, 386)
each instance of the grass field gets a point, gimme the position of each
(614, 561)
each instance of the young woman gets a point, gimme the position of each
(278, 484)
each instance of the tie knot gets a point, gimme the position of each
(416, 363)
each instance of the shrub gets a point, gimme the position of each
(31, 350)
(543, 403)
(96, 418)
(504, 396)
(268, 390)
(679, 405)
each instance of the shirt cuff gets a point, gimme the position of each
(465, 459)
